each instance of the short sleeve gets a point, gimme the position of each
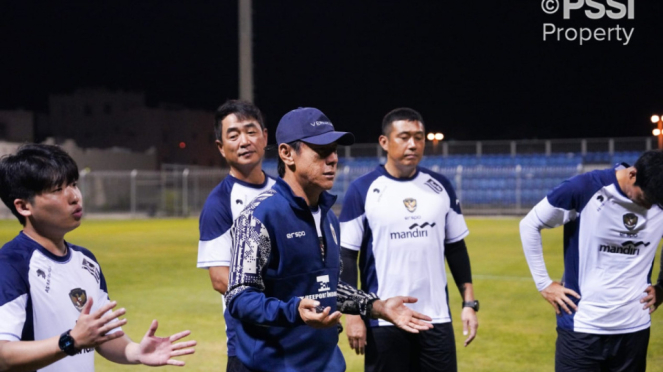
(13, 302)
(214, 244)
(352, 219)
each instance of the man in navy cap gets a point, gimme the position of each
(284, 273)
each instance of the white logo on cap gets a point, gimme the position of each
(318, 123)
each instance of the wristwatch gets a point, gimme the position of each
(473, 304)
(66, 344)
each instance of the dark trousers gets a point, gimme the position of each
(575, 352)
(391, 349)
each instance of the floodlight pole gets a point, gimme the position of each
(245, 29)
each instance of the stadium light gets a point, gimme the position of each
(656, 119)
(435, 138)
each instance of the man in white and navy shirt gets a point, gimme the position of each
(403, 221)
(613, 223)
(54, 305)
(241, 138)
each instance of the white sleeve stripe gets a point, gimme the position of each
(458, 237)
(208, 264)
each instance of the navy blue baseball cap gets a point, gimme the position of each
(310, 125)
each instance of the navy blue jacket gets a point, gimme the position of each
(277, 260)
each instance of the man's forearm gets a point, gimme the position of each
(350, 271)
(29, 355)
(466, 292)
(530, 235)
(255, 307)
(459, 264)
(219, 277)
(353, 301)
(120, 350)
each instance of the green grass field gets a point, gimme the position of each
(150, 269)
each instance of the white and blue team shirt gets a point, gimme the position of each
(42, 295)
(400, 227)
(221, 208)
(609, 248)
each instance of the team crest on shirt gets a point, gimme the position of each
(78, 297)
(630, 220)
(333, 233)
(410, 204)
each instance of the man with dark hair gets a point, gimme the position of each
(613, 223)
(403, 221)
(54, 305)
(241, 138)
(284, 275)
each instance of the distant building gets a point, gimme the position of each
(91, 159)
(99, 118)
(17, 125)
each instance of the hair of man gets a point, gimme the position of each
(32, 170)
(243, 110)
(401, 113)
(649, 175)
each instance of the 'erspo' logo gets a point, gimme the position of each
(593, 10)
(297, 234)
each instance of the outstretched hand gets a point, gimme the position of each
(308, 311)
(653, 298)
(557, 296)
(394, 310)
(159, 351)
(91, 328)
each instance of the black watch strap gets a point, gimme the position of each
(66, 344)
(473, 304)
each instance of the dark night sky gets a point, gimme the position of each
(473, 71)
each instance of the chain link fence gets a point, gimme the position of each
(483, 187)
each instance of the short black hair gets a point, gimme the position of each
(649, 176)
(32, 170)
(401, 113)
(244, 110)
(296, 145)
